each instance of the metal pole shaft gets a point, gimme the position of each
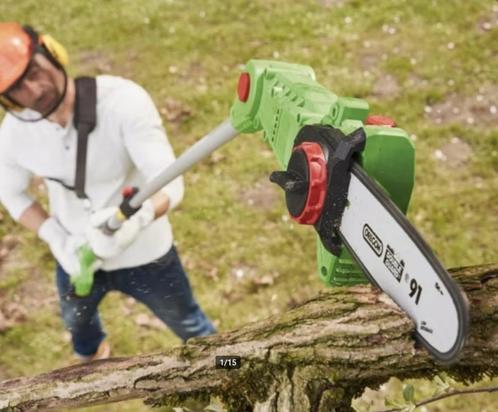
(204, 147)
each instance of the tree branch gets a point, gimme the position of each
(315, 357)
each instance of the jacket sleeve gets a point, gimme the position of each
(145, 139)
(14, 180)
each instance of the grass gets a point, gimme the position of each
(192, 52)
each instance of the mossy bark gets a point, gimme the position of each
(315, 357)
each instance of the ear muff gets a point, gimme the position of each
(55, 49)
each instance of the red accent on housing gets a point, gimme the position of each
(127, 191)
(317, 189)
(244, 87)
(377, 120)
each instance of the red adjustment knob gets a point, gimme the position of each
(376, 120)
(317, 187)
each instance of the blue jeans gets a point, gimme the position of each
(161, 285)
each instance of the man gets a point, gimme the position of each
(128, 147)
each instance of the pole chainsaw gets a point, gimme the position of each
(346, 173)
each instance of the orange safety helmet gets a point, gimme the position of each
(17, 45)
(16, 49)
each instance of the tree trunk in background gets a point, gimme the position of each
(315, 357)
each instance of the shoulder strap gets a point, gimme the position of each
(85, 120)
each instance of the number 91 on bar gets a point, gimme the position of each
(228, 362)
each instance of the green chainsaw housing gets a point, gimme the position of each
(280, 98)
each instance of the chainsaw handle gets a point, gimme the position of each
(82, 282)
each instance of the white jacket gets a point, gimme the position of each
(128, 147)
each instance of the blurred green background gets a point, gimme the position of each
(431, 65)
